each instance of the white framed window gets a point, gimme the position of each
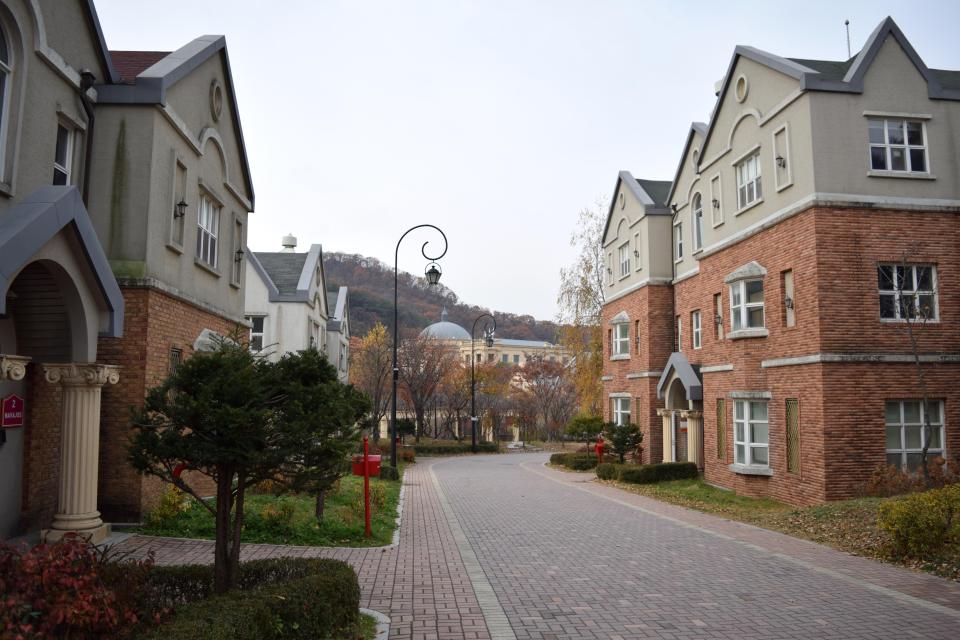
(6, 88)
(624, 259)
(63, 156)
(716, 201)
(697, 214)
(906, 434)
(746, 304)
(516, 358)
(695, 321)
(504, 358)
(907, 291)
(256, 332)
(898, 145)
(749, 187)
(208, 231)
(678, 242)
(621, 411)
(751, 433)
(621, 339)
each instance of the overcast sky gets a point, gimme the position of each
(497, 121)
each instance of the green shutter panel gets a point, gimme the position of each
(721, 428)
(793, 435)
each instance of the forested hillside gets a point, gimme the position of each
(371, 299)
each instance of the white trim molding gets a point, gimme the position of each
(897, 114)
(620, 394)
(750, 395)
(716, 368)
(638, 285)
(606, 378)
(644, 374)
(882, 358)
(687, 274)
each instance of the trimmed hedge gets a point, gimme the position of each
(558, 458)
(609, 470)
(438, 448)
(923, 523)
(389, 473)
(575, 461)
(315, 598)
(648, 473)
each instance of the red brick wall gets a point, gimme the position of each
(41, 451)
(155, 323)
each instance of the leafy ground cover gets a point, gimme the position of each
(367, 627)
(289, 519)
(848, 525)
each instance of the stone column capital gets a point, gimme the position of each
(691, 414)
(13, 367)
(81, 374)
(664, 412)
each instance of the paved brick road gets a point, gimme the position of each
(509, 549)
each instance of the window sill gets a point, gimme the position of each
(746, 208)
(235, 285)
(784, 186)
(177, 249)
(620, 356)
(203, 265)
(714, 225)
(750, 470)
(910, 175)
(624, 277)
(905, 321)
(740, 334)
(6, 189)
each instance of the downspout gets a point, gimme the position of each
(86, 81)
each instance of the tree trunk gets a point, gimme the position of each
(318, 509)
(221, 548)
(418, 414)
(234, 566)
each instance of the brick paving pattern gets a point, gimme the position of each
(566, 557)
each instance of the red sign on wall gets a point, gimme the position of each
(12, 410)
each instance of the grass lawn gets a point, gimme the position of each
(289, 519)
(848, 525)
(367, 628)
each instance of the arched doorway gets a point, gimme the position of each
(682, 390)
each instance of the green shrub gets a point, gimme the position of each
(408, 455)
(172, 503)
(450, 447)
(316, 598)
(389, 473)
(558, 458)
(923, 523)
(580, 461)
(609, 471)
(648, 473)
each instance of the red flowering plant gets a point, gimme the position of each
(58, 591)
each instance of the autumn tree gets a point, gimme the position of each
(423, 362)
(524, 410)
(543, 379)
(494, 382)
(580, 301)
(370, 366)
(453, 399)
(585, 428)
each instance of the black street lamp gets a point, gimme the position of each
(432, 273)
(488, 333)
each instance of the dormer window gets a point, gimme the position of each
(898, 145)
(624, 259)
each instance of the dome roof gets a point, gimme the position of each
(445, 330)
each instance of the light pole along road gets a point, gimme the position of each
(432, 272)
(488, 332)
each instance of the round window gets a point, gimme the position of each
(216, 100)
(741, 88)
(623, 201)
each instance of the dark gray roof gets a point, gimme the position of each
(283, 269)
(828, 69)
(656, 189)
(948, 79)
(331, 300)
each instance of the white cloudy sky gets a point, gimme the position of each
(496, 120)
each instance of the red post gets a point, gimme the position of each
(366, 488)
(599, 450)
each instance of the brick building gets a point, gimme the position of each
(759, 307)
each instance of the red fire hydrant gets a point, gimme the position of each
(599, 449)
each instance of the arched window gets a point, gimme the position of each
(697, 222)
(6, 71)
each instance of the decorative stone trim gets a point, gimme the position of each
(606, 378)
(751, 395)
(896, 358)
(620, 356)
(716, 368)
(13, 367)
(749, 271)
(747, 470)
(619, 394)
(740, 334)
(644, 374)
(690, 414)
(76, 374)
(620, 318)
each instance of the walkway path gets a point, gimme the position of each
(501, 547)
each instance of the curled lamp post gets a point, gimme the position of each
(432, 273)
(488, 332)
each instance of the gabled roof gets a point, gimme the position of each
(103, 52)
(27, 226)
(843, 76)
(695, 128)
(688, 374)
(337, 303)
(287, 275)
(149, 85)
(648, 192)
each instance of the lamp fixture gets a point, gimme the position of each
(433, 273)
(781, 162)
(636, 253)
(238, 255)
(716, 203)
(673, 208)
(788, 302)
(609, 270)
(180, 209)
(718, 320)
(489, 340)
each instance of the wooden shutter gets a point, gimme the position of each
(793, 435)
(721, 428)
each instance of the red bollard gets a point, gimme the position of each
(366, 488)
(599, 449)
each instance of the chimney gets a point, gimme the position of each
(289, 243)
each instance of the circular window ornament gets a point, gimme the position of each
(216, 100)
(623, 201)
(740, 88)
(695, 158)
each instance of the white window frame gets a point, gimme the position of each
(888, 147)
(740, 308)
(621, 415)
(749, 185)
(744, 444)
(678, 242)
(903, 451)
(696, 214)
(898, 293)
(66, 168)
(6, 70)
(621, 339)
(716, 193)
(208, 230)
(255, 334)
(696, 321)
(624, 253)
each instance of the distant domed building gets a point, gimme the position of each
(445, 330)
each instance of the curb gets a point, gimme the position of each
(383, 623)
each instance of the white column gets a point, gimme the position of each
(694, 436)
(79, 447)
(667, 415)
